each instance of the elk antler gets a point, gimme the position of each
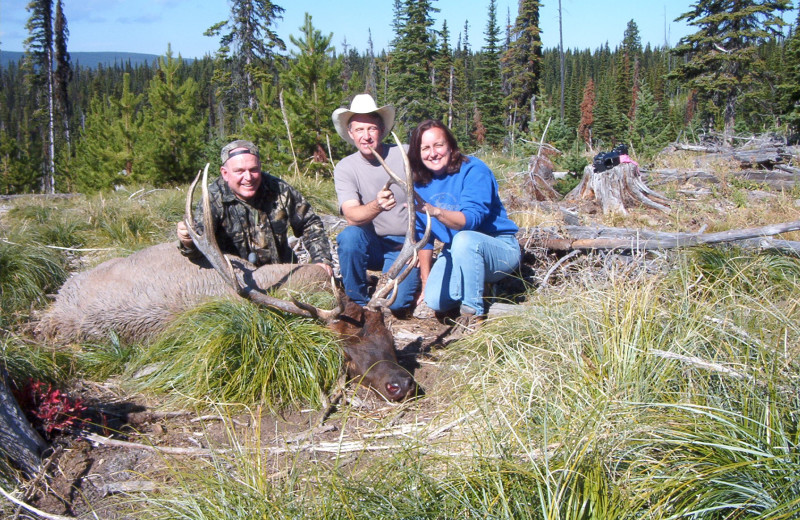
(407, 258)
(207, 244)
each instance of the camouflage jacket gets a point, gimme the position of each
(257, 230)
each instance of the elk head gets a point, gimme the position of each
(368, 345)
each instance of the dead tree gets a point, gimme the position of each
(617, 189)
(19, 442)
(585, 238)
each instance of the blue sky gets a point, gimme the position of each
(148, 26)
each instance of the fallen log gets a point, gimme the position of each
(766, 155)
(592, 238)
(782, 179)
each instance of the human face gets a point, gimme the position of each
(243, 175)
(365, 131)
(434, 150)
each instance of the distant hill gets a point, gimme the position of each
(90, 60)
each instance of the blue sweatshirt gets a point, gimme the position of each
(472, 190)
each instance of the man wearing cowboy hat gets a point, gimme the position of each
(377, 218)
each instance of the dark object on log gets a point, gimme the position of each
(589, 238)
(617, 188)
(18, 440)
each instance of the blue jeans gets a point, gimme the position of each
(360, 249)
(473, 258)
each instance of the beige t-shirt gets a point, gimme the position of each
(356, 178)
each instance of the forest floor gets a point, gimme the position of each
(90, 468)
(91, 474)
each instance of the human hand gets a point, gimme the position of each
(328, 269)
(386, 200)
(183, 234)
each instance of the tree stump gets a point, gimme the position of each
(617, 189)
(540, 179)
(18, 440)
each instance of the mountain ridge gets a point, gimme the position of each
(90, 60)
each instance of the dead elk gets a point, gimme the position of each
(139, 295)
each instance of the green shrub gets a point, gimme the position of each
(231, 351)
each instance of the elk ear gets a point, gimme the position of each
(373, 322)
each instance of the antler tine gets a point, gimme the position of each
(407, 258)
(208, 245)
(322, 314)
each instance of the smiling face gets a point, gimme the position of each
(434, 150)
(365, 130)
(242, 173)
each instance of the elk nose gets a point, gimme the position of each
(399, 389)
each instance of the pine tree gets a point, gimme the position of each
(587, 113)
(489, 96)
(722, 63)
(463, 96)
(39, 47)
(104, 151)
(63, 73)
(265, 127)
(14, 175)
(649, 130)
(627, 65)
(606, 116)
(247, 53)
(523, 58)
(371, 87)
(790, 87)
(170, 144)
(410, 87)
(311, 94)
(444, 72)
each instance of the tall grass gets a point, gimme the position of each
(231, 351)
(28, 272)
(654, 396)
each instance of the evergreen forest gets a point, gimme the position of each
(66, 128)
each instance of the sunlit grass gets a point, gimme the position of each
(101, 360)
(27, 273)
(657, 393)
(230, 351)
(633, 395)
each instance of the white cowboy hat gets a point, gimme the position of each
(362, 104)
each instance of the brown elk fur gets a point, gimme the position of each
(137, 296)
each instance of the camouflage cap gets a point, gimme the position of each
(247, 147)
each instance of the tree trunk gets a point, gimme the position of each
(617, 189)
(18, 440)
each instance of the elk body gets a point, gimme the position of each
(137, 297)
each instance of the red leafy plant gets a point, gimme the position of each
(49, 409)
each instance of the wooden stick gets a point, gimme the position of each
(37, 512)
(289, 133)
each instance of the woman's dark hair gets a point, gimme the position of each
(421, 173)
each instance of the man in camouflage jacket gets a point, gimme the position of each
(252, 212)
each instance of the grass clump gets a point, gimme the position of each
(27, 273)
(230, 351)
(100, 361)
(26, 361)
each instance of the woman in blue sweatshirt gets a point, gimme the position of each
(461, 194)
